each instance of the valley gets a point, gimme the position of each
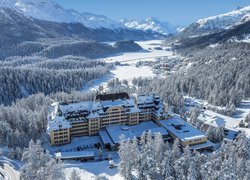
(125, 64)
(154, 92)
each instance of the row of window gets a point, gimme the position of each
(82, 129)
(80, 134)
(77, 126)
(60, 129)
(60, 137)
(61, 141)
(61, 133)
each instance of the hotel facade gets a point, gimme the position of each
(87, 118)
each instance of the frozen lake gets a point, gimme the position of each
(128, 69)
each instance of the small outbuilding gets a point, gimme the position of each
(78, 155)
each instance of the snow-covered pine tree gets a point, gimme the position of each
(159, 149)
(176, 151)
(74, 175)
(39, 164)
(194, 113)
(166, 168)
(211, 133)
(193, 173)
(186, 157)
(151, 168)
(219, 134)
(125, 167)
(135, 154)
(142, 157)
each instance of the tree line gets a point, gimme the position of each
(33, 75)
(152, 158)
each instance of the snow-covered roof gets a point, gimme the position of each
(105, 137)
(53, 110)
(75, 154)
(121, 103)
(81, 106)
(90, 106)
(57, 123)
(130, 132)
(181, 129)
(146, 99)
(218, 120)
(133, 110)
(94, 109)
(93, 115)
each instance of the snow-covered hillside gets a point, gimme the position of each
(224, 21)
(50, 11)
(150, 24)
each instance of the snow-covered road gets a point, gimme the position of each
(9, 168)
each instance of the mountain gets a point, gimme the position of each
(218, 22)
(51, 11)
(17, 26)
(237, 33)
(21, 35)
(150, 24)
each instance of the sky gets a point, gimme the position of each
(177, 12)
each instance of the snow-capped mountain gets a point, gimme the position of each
(7, 3)
(51, 11)
(150, 24)
(218, 22)
(224, 21)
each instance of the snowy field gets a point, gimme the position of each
(128, 69)
(93, 170)
(145, 55)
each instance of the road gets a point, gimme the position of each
(9, 169)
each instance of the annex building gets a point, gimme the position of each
(87, 118)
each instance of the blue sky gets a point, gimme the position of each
(177, 12)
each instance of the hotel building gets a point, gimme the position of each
(87, 118)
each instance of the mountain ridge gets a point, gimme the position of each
(51, 11)
(150, 24)
(218, 22)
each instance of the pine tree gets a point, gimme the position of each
(135, 154)
(166, 169)
(176, 151)
(125, 167)
(186, 157)
(39, 164)
(211, 133)
(151, 166)
(219, 134)
(159, 149)
(74, 175)
(142, 157)
(192, 172)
